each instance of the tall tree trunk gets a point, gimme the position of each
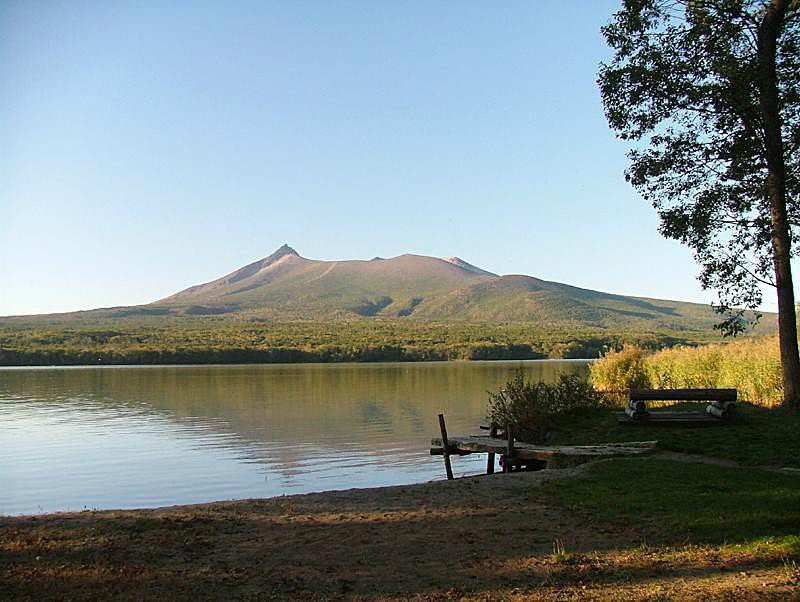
(768, 33)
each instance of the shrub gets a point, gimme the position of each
(531, 407)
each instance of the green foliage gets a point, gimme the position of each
(530, 407)
(560, 554)
(751, 366)
(214, 339)
(690, 89)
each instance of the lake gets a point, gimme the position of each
(134, 437)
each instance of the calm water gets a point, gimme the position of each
(126, 437)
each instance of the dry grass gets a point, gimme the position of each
(752, 366)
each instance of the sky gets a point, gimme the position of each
(147, 146)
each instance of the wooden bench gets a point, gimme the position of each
(721, 404)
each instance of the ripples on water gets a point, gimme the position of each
(129, 437)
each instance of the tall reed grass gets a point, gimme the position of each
(752, 366)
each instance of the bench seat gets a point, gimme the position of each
(721, 402)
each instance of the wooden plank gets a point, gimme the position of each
(666, 418)
(438, 451)
(526, 451)
(446, 447)
(482, 443)
(509, 448)
(490, 456)
(682, 395)
(668, 415)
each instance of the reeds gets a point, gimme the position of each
(752, 366)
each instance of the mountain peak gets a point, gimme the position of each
(467, 266)
(282, 250)
(288, 287)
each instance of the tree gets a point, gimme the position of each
(706, 92)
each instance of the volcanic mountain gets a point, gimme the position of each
(287, 286)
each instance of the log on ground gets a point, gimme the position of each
(556, 456)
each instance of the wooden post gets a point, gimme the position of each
(445, 447)
(509, 448)
(490, 460)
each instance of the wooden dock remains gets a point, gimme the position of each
(445, 448)
(517, 455)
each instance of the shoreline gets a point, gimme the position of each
(514, 481)
(367, 543)
(488, 537)
(575, 360)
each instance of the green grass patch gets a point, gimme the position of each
(689, 503)
(758, 436)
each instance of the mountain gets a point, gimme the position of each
(287, 286)
(467, 266)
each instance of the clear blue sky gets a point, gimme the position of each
(146, 146)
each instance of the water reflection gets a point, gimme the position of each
(148, 436)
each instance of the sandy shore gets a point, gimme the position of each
(488, 537)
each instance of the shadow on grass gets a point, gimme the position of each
(679, 502)
(757, 437)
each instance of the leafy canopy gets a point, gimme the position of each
(682, 87)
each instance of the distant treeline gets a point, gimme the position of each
(208, 341)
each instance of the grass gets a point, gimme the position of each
(752, 366)
(707, 531)
(698, 522)
(692, 503)
(560, 554)
(757, 437)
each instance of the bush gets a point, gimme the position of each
(531, 407)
